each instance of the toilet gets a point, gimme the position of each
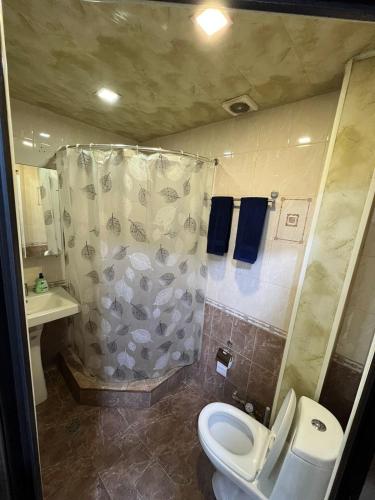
(291, 461)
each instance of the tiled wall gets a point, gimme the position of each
(346, 189)
(265, 155)
(340, 387)
(355, 335)
(28, 121)
(256, 354)
(358, 324)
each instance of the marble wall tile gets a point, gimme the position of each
(221, 327)
(254, 349)
(358, 324)
(268, 350)
(261, 386)
(369, 246)
(340, 389)
(243, 338)
(238, 374)
(345, 192)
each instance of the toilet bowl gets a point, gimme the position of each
(285, 462)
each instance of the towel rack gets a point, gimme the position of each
(271, 201)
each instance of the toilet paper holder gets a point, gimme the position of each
(224, 361)
(224, 357)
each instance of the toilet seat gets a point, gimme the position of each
(233, 438)
(242, 449)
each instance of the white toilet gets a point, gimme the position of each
(292, 461)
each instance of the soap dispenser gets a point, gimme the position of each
(41, 285)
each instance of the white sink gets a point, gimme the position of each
(42, 308)
(54, 304)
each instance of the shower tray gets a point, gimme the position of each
(89, 390)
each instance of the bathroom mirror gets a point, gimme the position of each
(38, 203)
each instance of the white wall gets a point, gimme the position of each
(28, 121)
(267, 156)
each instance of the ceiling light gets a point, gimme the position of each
(228, 154)
(212, 20)
(45, 135)
(304, 140)
(108, 95)
(28, 143)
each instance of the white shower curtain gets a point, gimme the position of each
(135, 228)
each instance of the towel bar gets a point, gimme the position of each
(271, 201)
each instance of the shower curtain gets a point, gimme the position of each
(135, 228)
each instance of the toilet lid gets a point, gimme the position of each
(280, 431)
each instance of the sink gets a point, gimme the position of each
(40, 309)
(54, 304)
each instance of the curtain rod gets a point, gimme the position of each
(139, 148)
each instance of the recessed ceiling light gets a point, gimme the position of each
(228, 154)
(28, 143)
(212, 20)
(108, 95)
(45, 134)
(304, 140)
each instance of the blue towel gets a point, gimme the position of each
(220, 224)
(250, 227)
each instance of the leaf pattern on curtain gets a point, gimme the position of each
(135, 229)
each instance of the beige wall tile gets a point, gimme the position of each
(312, 118)
(263, 160)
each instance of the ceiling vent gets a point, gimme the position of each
(240, 105)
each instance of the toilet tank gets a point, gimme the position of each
(310, 455)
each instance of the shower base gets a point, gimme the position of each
(88, 390)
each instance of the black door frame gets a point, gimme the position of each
(360, 447)
(21, 472)
(18, 438)
(341, 9)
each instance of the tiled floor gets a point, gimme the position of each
(91, 453)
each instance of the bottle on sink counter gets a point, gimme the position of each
(41, 285)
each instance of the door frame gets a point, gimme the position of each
(20, 474)
(21, 470)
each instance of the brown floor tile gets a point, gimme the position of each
(154, 484)
(73, 479)
(147, 415)
(128, 463)
(123, 454)
(187, 404)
